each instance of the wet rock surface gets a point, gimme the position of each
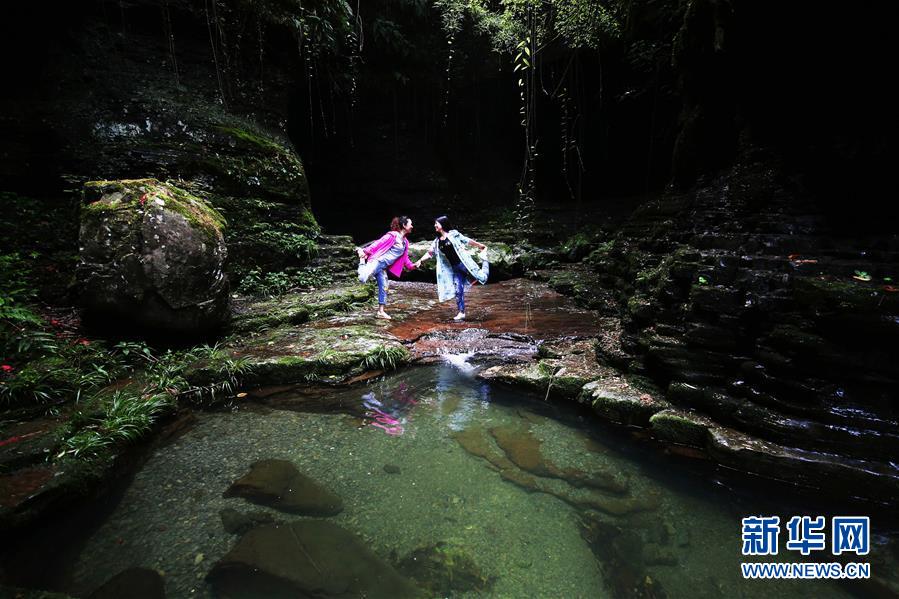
(296, 308)
(516, 307)
(747, 307)
(306, 559)
(278, 484)
(559, 369)
(523, 448)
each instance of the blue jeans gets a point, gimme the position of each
(460, 278)
(380, 276)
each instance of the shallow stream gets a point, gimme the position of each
(399, 463)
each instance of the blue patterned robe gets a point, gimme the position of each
(446, 289)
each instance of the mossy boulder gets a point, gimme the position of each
(153, 256)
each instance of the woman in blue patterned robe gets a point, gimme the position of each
(455, 265)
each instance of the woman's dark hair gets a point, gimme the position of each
(444, 222)
(399, 222)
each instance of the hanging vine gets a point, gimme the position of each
(524, 28)
(524, 66)
(215, 52)
(170, 38)
(452, 24)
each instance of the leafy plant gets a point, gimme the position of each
(122, 416)
(385, 358)
(255, 282)
(296, 245)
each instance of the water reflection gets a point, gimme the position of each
(461, 399)
(461, 403)
(391, 412)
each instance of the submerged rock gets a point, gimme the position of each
(620, 552)
(238, 523)
(477, 442)
(523, 448)
(444, 569)
(307, 558)
(277, 483)
(134, 583)
(153, 256)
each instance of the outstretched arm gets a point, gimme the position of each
(468, 241)
(476, 244)
(368, 250)
(425, 256)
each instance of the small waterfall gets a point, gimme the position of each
(460, 362)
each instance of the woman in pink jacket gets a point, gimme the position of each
(390, 253)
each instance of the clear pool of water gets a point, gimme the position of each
(530, 543)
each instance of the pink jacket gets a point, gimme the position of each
(376, 248)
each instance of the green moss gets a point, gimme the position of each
(299, 308)
(637, 305)
(621, 407)
(568, 386)
(135, 196)
(544, 352)
(258, 140)
(679, 427)
(331, 354)
(196, 210)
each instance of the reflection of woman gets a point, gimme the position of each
(454, 264)
(390, 253)
(390, 415)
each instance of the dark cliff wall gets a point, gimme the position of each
(170, 90)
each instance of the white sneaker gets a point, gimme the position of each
(459, 316)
